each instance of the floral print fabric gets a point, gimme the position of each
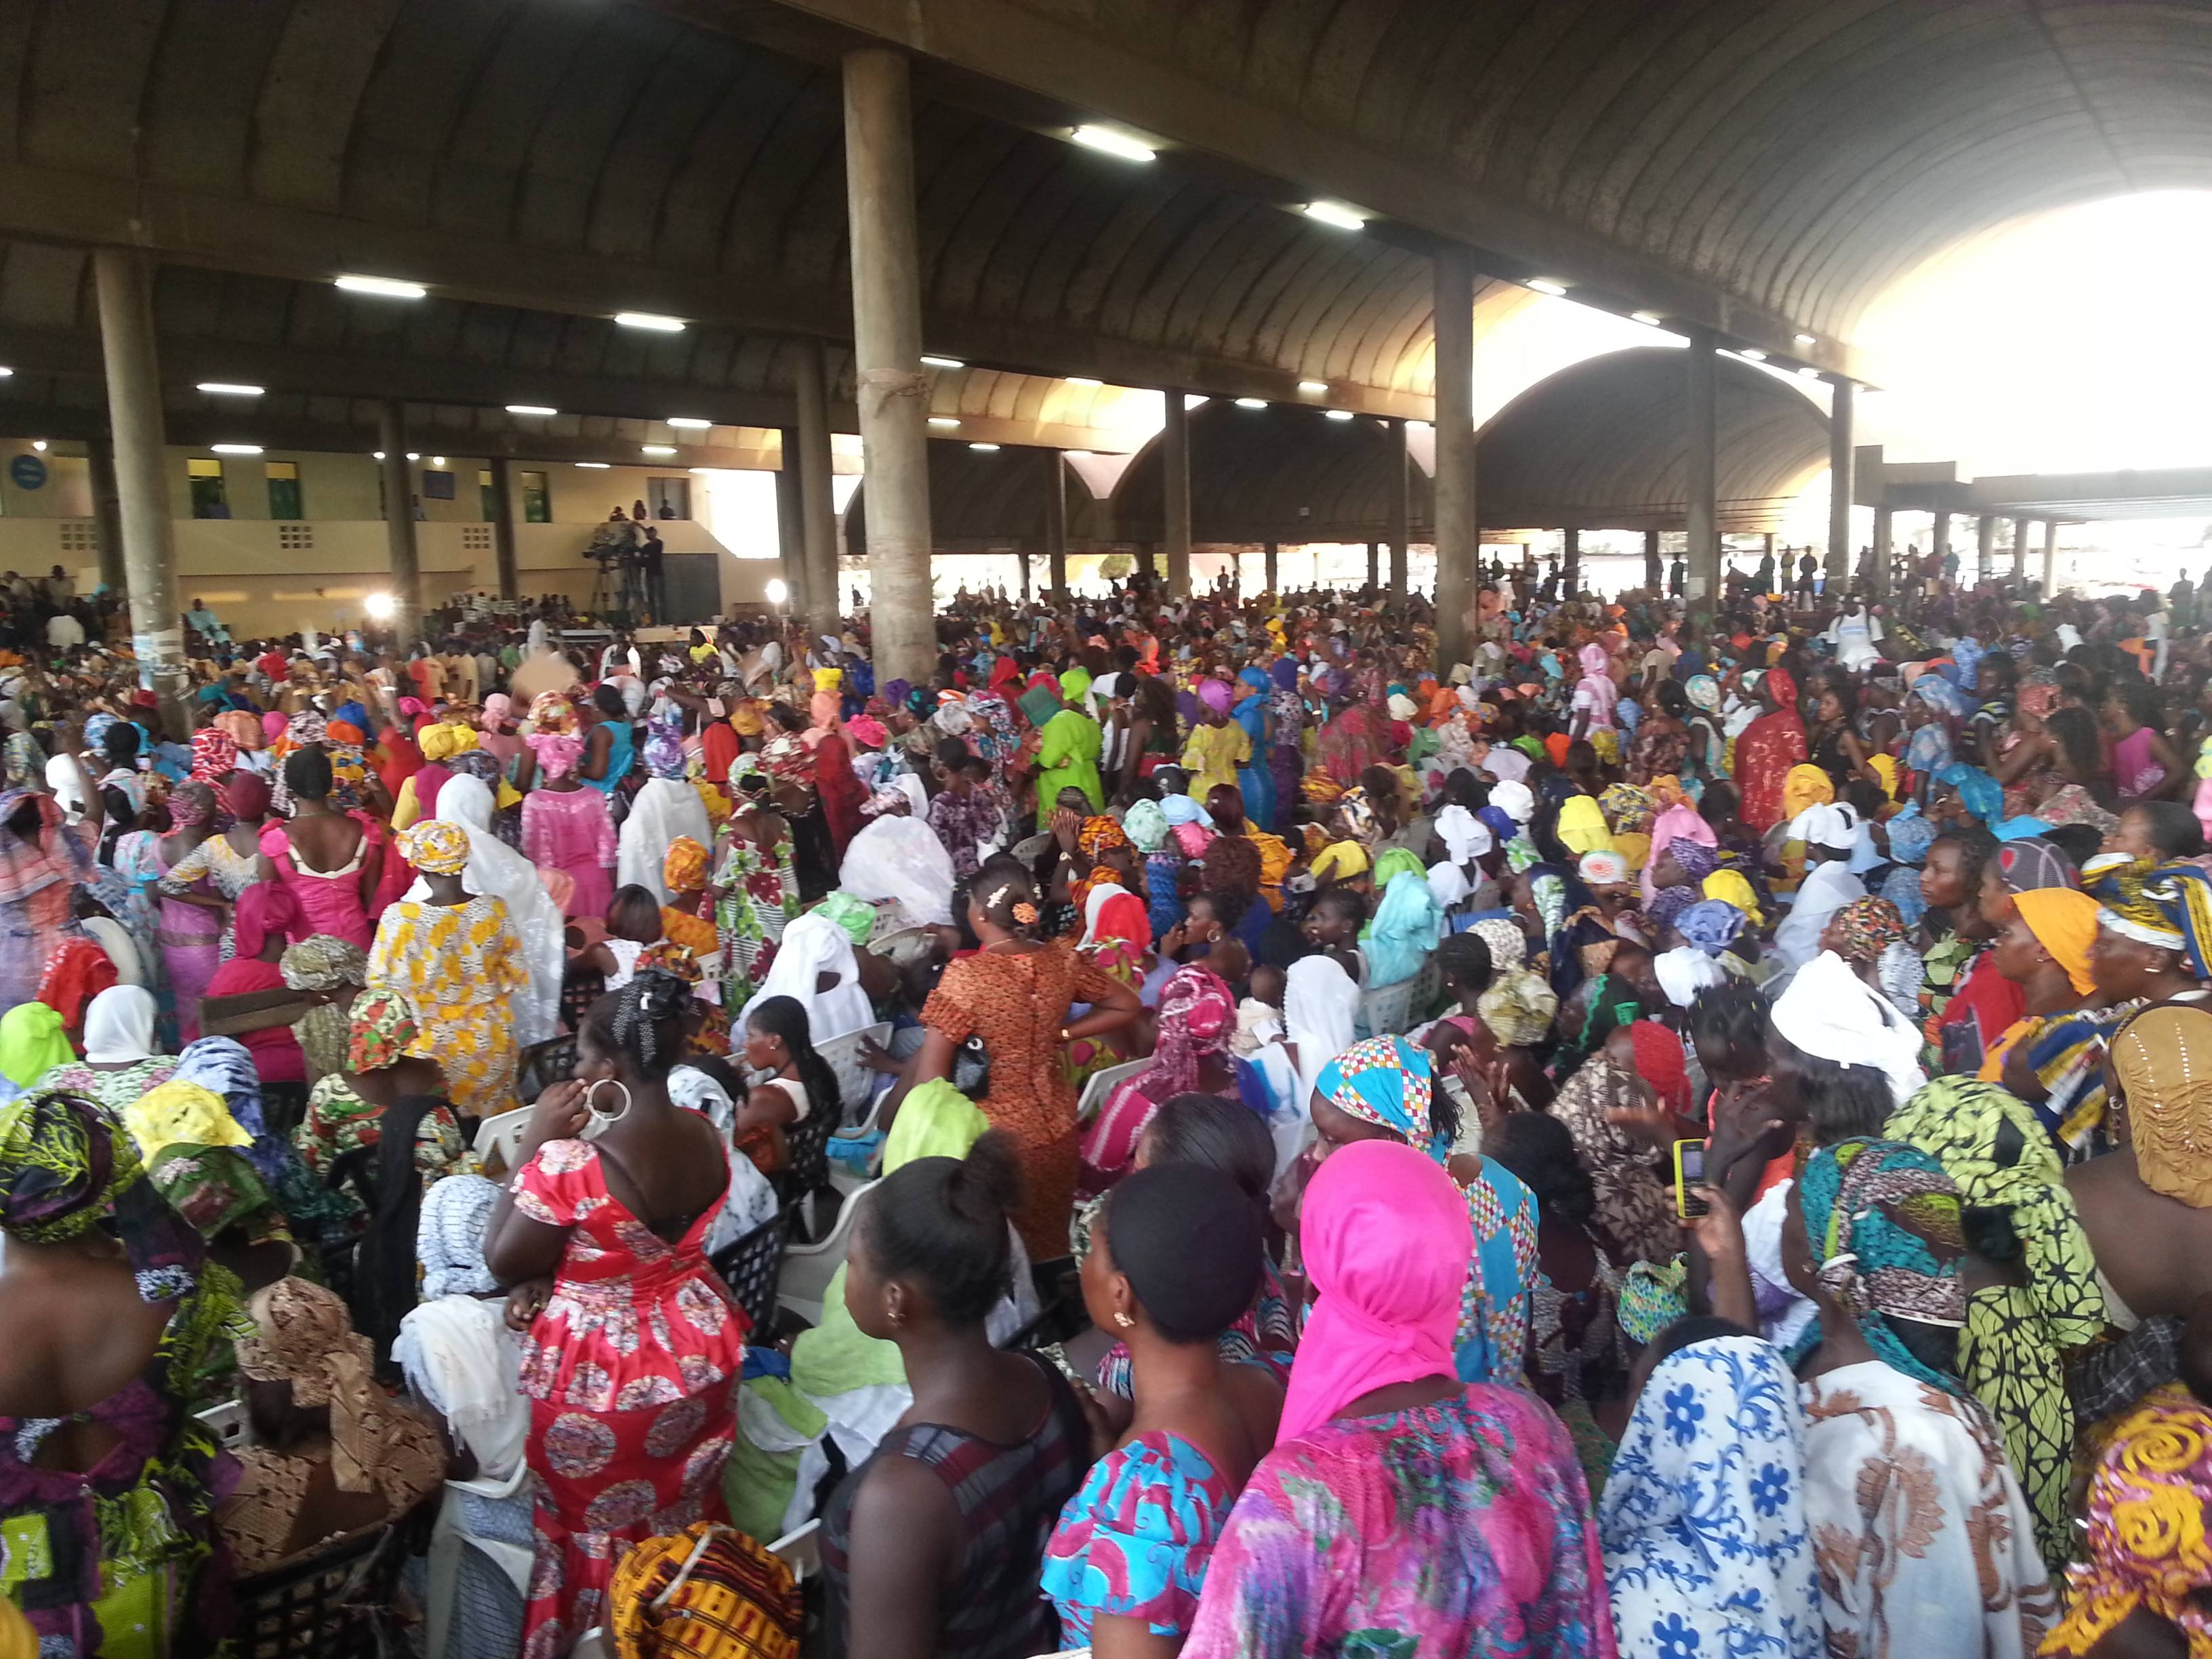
(1134, 1542)
(462, 967)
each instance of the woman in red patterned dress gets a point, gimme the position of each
(1769, 747)
(633, 1354)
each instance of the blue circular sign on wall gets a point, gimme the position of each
(28, 471)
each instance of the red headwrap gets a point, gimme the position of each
(1659, 1061)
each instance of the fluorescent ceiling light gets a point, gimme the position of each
(689, 423)
(1649, 319)
(6, 373)
(1313, 388)
(1338, 414)
(942, 362)
(653, 321)
(1546, 285)
(944, 421)
(1751, 355)
(413, 456)
(437, 460)
(656, 449)
(1108, 142)
(390, 288)
(593, 466)
(1808, 339)
(987, 449)
(228, 389)
(1251, 403)
(39, 444)
(228, 449)
(1083, 379)
(530, 408)
(1336, 214)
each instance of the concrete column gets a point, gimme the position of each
(1175, 504)
(1571, 562)
(1148, 559)
(1024, 556)
(1273, 557)
(790, 532)
(107, 511)
(1373, 564)
(125, 287)
(817, 512)
(1655, 572)
(1459, 540)
(1401, 506)
(891, 389)
(1842, 467)
(2019, 549)
(2050, 558)
(502, 530)
(1055, 521)
(1985, 547)
(1703, 554)
(1885, 534)
(399, 521)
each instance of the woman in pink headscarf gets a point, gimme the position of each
(1680, 822)
(267, 913)
(1594, 693)
(1397, 1498)
(495, 733)
(1218, 745)
(568, 828)
(1190, 1055)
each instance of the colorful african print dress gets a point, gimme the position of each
(750, 916)
(632, 1373)
(461, 965)
(1134, 1542)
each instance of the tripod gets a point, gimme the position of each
(604, 596)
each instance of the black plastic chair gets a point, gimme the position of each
(334, 1603)
(749, 1266)
(542, 1065)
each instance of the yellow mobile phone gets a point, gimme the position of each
(1689, 1175)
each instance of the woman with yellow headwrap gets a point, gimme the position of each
(456, 957)
(418, 794)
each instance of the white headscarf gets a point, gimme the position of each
(901, 860)
(662, 809)
(813, 945)
(1516, 799)
(460, 1359)
(61, 779)
(1685, 971)
(1465, 837)
(118, 1025)
(495, 870)
(1833, 1014)
(1320, 1012)
(1447, 884)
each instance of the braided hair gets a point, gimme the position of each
(1007, 898)
(643, 1021)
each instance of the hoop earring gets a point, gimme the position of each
(601, 1120)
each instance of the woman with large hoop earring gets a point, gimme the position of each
(633, 1356)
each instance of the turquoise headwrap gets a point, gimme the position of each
(1883, 1220)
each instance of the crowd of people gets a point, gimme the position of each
(1673, 1134)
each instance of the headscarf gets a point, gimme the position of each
(1704, 692)
(1978, 793)
(1509, 945)
(32, 1042)
(1703, 1517)
(557, 752)
(1582, 826)
(664, 747)
(1731, 888)
(2064, 923)
(1806, 784)
(305, 1336)
(683, 866)
(553, 712)
(449, 1236)
(1518, 1008)
(264, 907)
(2162, 1061)
(1359, 814)
(1387, 1244)
(1388, 1082)
(224, 1066)
(1883, 1220)
(1710, 925)
(1407, 925)
(118, 1025)
(2166, 905)
(1833, 1014)
(442, 742)
(1684, 972)
(1602, 869)
(1514, 798)
(2030, 865)
(1320, 1012)
(1214, 694)
(1145, 825)
(2149, 1544)
(246, 796)
(1864, 928)
(181, 1114)
(1660, 1063)
(215, 754)
(1628, 808)
(1653, 1296)
(243, 729)
(1197, 1014)
(435, 847)
(1910, 838)
(64, 1169)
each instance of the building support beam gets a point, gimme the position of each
(502, 530)
(399, 521)
(1056, 523)
(790, 532)
(817, 509)
(1400, 508)
(124, 284)
(1459, 541)
(1271, 564)
(1885, 532)
(1174, 524)
(1654, 573)
(2019, 549)
(2050, 558)
(1843, 463)
(1374, 565)
(892, 389)
(107, 511)
(1702, 514)
(1986, 547)
(1939, 537)
(1571, 561)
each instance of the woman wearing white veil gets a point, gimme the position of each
(496, 870)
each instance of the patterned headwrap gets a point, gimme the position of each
(2148, 1543)
(1389, 1083)
(1910, 838)
(305, 727)
(1197, 1014)
(1709, 924)
(1883, 1220)
(385, 1029)
(557, 752)
(2166, 905)
(1693, 858)
(1668, 905)
(244, 729)
(664, 747)
(1359, 815)
(1518, 1008)
(1509, 945)
(1864, 928)
(435, 847)
(1704, 692)
(189, 807)
(553, 711)
(215, 754)
(224, 1065)
(1628, 809)
(1145, 825)
(1099, 834)
(1978, 793)
(683, 866)
(65, 1168)
(2032, 865)
(1653, 1296)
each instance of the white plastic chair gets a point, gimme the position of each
(502, 1132)
(800, 1551)
(1388, 1010)
(856, 1084)
(449, 1536)
(1100, 1085)
(803, 1281)
(230, 1425)
(1030, 849)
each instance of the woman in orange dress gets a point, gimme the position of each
(1014, 995)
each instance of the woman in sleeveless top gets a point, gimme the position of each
(632, 1356)
(331, 867)
(797, 1082)
(935, 1544)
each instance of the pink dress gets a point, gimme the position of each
(571, 830)
(329, 899)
